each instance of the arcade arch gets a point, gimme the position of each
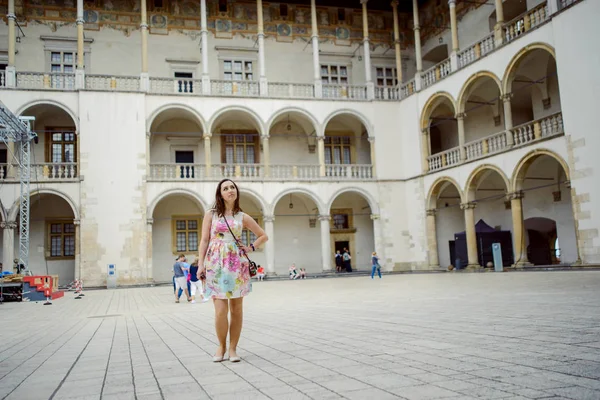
(346, 143)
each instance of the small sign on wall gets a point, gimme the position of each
(111, 276)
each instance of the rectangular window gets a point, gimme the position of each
(61, 146)
(61, 239)
(341, 15)
(240, 148)
(338, 150)
(62, 62)
(283, 11)
(334, 74)
(342, 219)
(238, 70)
(186, 233)
(223, 6)
(386, 76)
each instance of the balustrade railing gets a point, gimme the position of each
(176, 86)
(234, 88)
(436, 73)
(2, 78)
(340, 92)
(54, 171)
(538, 129)
(291, 90)
(349, 171)
(566, 3)
(444, 159)
(116, 83)
(476, 51)
(525, 22)
(295, 172)
(388, 93)
(487, 145)
(39, 80)
(238, 171)
(177, 171)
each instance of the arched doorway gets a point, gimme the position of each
(352, 227)
(176, 229)
(53, 237)
(480, 106)
(297, 224)
(176, 146)
(488, 187)
(293, 145)
(547, 208)
(445, 219)
(440, 130)
(347, 150)
(532, 81)
(56, 154)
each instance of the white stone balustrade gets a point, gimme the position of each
(388, 93)
(234, 88)
(436, 73)
(174, 172)
(292, 90)
(487, 145)
(348, 171)
(116, 83)
(525, 22)
(567, 3)
(474, 52)
(343, 92)
(295, 172)
(38, 80)
(444, 159)
(407, 89)
(538, 129)
(53, 171)
(2, 78)
(3, 171)
(175, 86)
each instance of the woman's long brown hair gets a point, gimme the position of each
(219, 205)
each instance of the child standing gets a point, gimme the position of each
(197, 285)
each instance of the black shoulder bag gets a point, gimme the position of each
(251, 264)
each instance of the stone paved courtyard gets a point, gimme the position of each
(431, 336)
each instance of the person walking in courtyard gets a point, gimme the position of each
(338, 261)
(196, 282)
(180, 280)
(225, 264)
(375, 265)
(346, 259)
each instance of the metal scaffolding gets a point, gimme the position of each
(18, 130)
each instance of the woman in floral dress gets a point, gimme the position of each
(226, 269)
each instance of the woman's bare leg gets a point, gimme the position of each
(221, 325)
(235, 328)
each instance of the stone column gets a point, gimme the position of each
(417, 29)
(78, 272)
(498, 36)
(367, 50)
(508, 121)
(207, 155)
(80, 72)
(454, 28)
(473, 260)
(432, 239)
(397, 42)
(321, 152)
(261, 50)
(425, 149)
(378, 240)
(516, 208)
(148, 146)
(11, 72)
(204, 39)
(373, 159)
(460, 119)
(8, 244)
(149, 270)
(315, 49)
(144, 77)
(266, 156)
(269, 221)
(325, 242)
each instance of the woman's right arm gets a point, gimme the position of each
(203, 246)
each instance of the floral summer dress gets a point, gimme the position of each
(227, 272)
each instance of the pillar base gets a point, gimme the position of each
(11, 77)
(418, 83)
(206, 85)
(263, 87)
(79, 79)
(521, 265)
(475, 267)
(144, 82)
(318, 89)
(454, 61)
(498, 35)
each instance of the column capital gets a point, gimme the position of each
(425, 131)
(148, 134)
(461, 115)
(416, 28)
(375, 217)
(77, 222)
(452, 3)
(320, 138)
(468, 206)
(80, 21)
(268, 218)
(207, 136)
(143, 25)
(516, 195)
(8, 225)
(149, 221)
(324, 218)
(395, 3)
(506, 97)
(364, 1)
(265, 137)
(431, 212)
(371, 139)
(12, 16)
